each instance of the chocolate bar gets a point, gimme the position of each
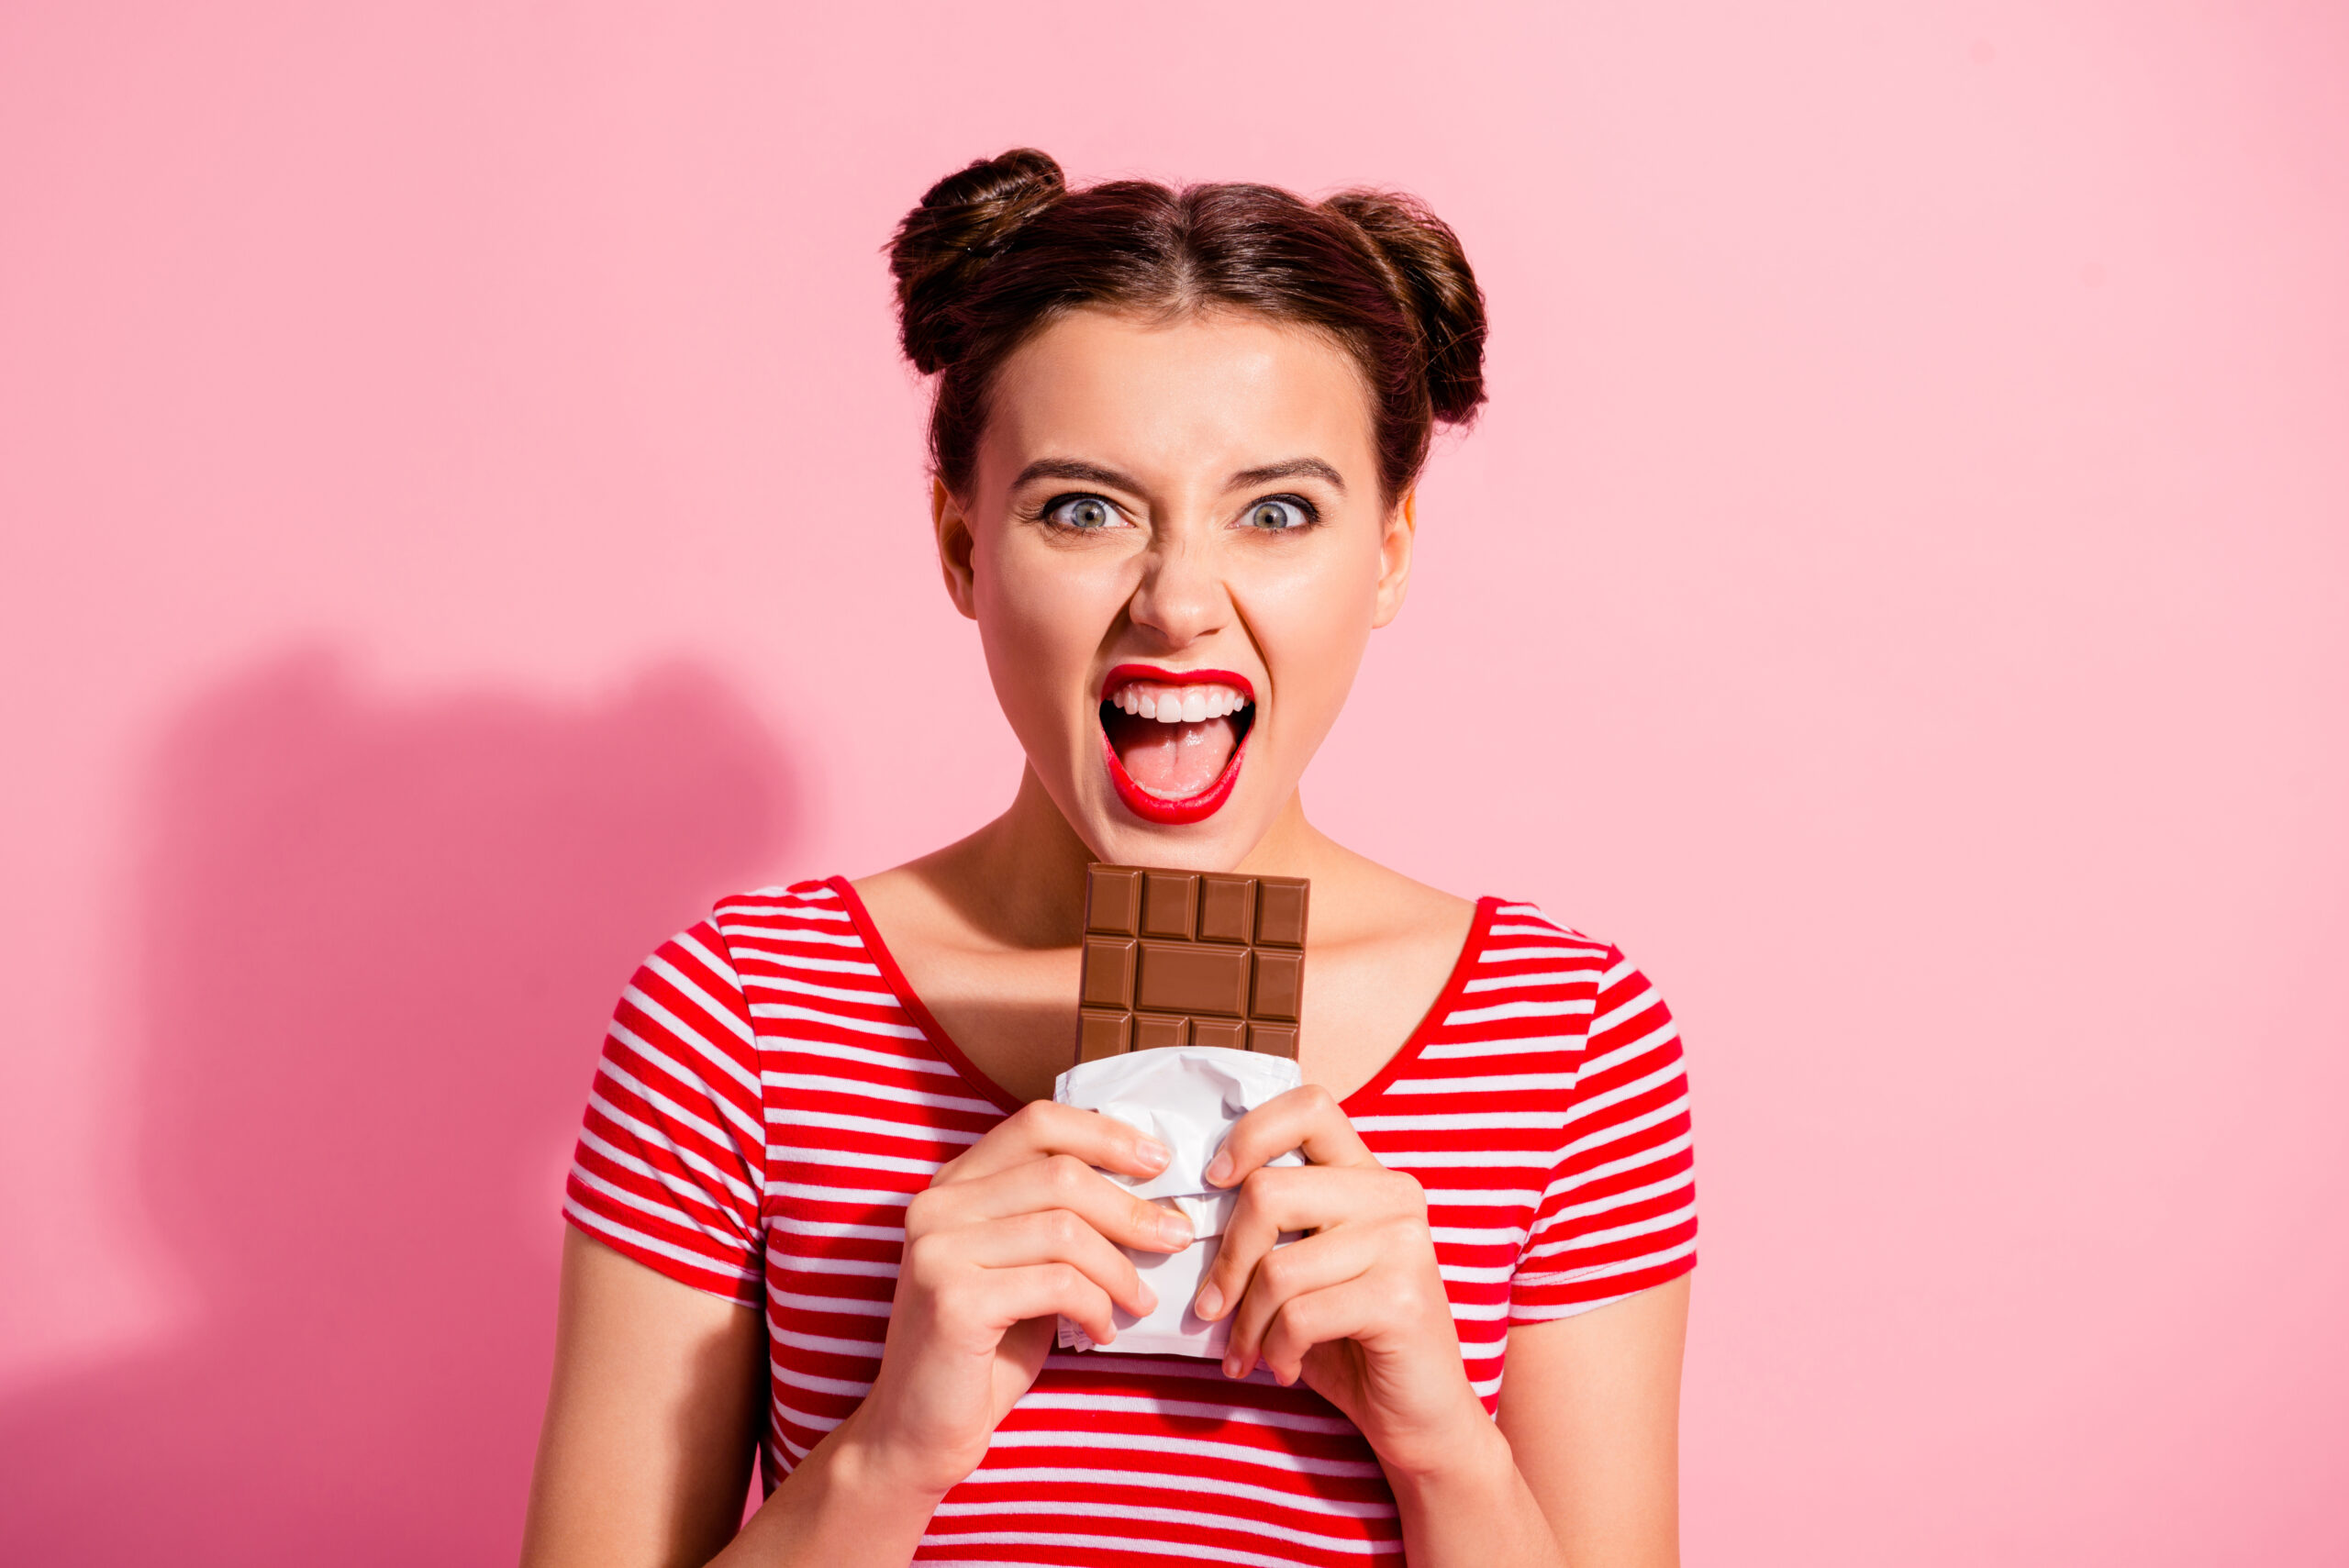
(1175, 958)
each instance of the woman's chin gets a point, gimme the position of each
(1156, 801)
(1179, 848)
(1210, 829)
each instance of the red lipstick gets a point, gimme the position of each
(1158, 809)
(1159, 672)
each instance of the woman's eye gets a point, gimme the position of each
(1275, 515)
(1087, 512)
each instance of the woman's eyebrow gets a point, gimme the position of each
(1070, 468)
(1294, 468)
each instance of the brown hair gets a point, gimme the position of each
(999, 250)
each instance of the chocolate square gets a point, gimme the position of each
(1103, 1034)
(1108, 973)
(1167, 900)
(1113, 903)
(1227, 910)
(1152, 1032)
(1273, 1040)
(1220, 960)
(1228, 1033)
(1280, 911)
(1280, 986)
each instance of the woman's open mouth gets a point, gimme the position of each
(1174, 739)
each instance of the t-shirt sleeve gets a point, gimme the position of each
(670, 1168)
(1619, 1212)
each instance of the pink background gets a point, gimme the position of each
(460, 510)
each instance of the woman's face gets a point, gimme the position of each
(1175, 549)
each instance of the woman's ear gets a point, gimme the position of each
(1395, 557)
(954, 546)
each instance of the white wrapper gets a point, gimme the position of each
(1187, 1098)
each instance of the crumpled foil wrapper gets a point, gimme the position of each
(1187, 1098)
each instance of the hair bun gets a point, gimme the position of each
(1431, 279)
(964, 221)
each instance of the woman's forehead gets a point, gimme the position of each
(1223, 390)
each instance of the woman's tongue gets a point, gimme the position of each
(1173, 760)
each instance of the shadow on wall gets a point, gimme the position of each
(379, 945)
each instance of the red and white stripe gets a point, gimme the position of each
(772, 1093)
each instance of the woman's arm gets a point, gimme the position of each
(1590, 1406)
(1584, 1469)
(660, 1388)
(645, 1453)
(1580, 1469)
(651, 1427)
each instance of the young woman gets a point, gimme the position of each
(823, 1204)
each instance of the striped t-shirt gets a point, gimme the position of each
(772, 1093)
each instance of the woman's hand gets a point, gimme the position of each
(1019, 1229)
(1357, 1307)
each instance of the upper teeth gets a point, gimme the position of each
(1178, 705)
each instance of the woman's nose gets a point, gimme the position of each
(1180, 598)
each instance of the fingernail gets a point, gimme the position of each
(1210, 1301)
(1149, 1300)
(1175, 1230)
(1152, 1153)
(1220, 1168)
(1232, 1365)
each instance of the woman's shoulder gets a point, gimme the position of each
(1483, 944)
(1355, 899)
(788, 899)
(797, 923)
(819, 903)
(1520, 946)
(1523, 917)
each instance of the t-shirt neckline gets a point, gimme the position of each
(1446, 999)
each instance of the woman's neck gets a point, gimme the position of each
(988, 931)
(1020, 878)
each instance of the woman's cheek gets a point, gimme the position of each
(1314, 630)
(1041, 629)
